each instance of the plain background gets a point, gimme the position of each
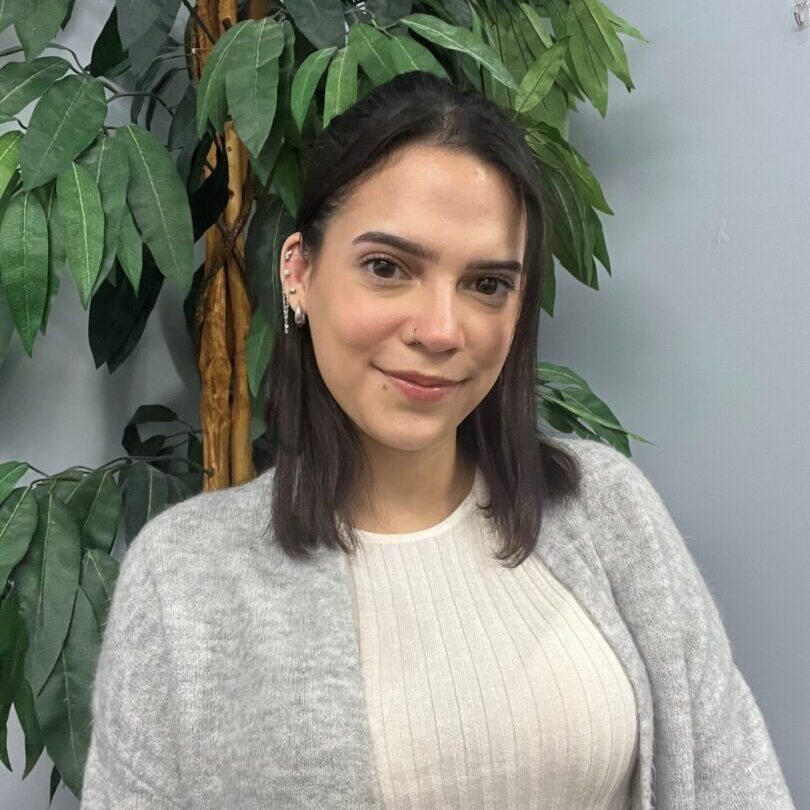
(698, 342)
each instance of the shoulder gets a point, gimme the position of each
(207, 529)
(606, 471)
(619, 509)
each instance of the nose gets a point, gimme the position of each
(437, 317)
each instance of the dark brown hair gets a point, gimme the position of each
(313, 445)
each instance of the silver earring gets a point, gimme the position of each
(300, 317)
(285, 302)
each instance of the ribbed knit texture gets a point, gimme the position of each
(230, 677)
(487, 687)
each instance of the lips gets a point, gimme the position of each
(421, 379)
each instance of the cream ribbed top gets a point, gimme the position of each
(486, 687)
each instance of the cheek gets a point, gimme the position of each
(346, 339)
(492, 346)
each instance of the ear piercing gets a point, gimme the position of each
(300, 317)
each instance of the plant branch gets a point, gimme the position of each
(154, 95)
(203, 27)
(72, 52)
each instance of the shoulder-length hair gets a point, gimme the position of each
(310, 440)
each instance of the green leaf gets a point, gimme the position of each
(552, 149)
(540, 77)
(9, 157)
(27, 717)
(551, 372)
(320, 21)
(36, 28)
(23, 82)
(108, 163)
(130, 249)
(13, 644)
(159, 203)
(8, 630)
(99, 573)
(306, 81)
(622, 25)
(269, 227)
(66, 120)
(211, 92)
(135, 18)
(18, 520)
(64, 704)
(259, 348)
(6, 325)
(146, 495)
(8, 8)
(108, 53)
(532, 23)
(600, 250)
(155, 42)
(24, 264)
(588, 65)
(454, 38)
(386, 12)
(373, 52)
(118, 315)
(48, 578)
(602, 37)
(408, 54)
(10, 473)
(251, 82)
(56, 247)
(341, 84)
(178, 489)
(571, 239)
(283, 128)
(95, 506)
(287, 178)
(81, 219)
(153, 413)
(557, 11)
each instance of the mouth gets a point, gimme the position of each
(419, 392)
(422, 380)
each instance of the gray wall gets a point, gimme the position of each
(698, 342)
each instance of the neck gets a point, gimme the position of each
(407, 491)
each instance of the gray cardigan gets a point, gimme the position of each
(229, 674)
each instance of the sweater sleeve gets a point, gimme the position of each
(131, 762)
(735, 763)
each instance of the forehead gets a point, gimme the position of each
(448, 199)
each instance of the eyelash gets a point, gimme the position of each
(510, 287)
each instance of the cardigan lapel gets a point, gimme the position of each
(577, 566)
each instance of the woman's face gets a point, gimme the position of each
(365, 298)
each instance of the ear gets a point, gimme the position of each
(297, 266)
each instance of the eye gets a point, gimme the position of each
(381, 260)
(390, 266)
(508, 285)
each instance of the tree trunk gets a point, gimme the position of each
(225, 314)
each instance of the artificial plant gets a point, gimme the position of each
(221, 118)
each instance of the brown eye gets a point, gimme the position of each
(493, 285)
(389, 268)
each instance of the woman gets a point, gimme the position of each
(423, 602)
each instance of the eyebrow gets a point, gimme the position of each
(428, 254)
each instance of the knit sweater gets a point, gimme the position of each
(455, 648)
(230, 676)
